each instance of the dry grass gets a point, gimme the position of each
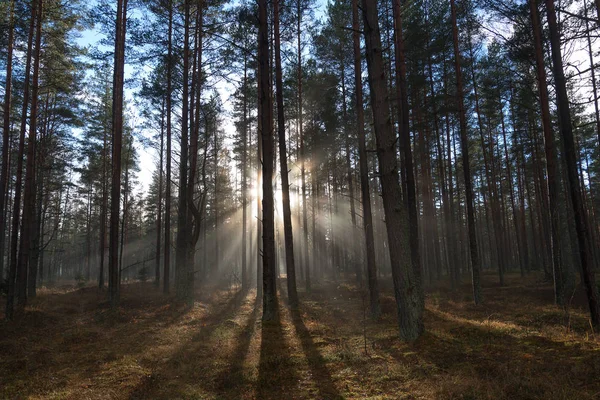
(69, 345)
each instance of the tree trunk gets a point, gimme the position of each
(195, 212)
(407, 283)
(364, 170)
(24, 266)
(551, 158)
(306, 266)
(259, 177)
(6, 134)
(244, 177)
(159, 202)
(406, 158)
(285, 185)
(167, 260)
(14, 245)
(566, 129)
(268, 220)
(184, 287)
(117, 126)
(475, 269)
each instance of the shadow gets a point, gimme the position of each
(67, 336)
(316, 363)
(487, 359)
(233, 380)
(277, 372)
(187, 366)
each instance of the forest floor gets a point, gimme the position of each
(69, 345)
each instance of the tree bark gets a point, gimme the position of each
(6, 133)
(159, 201)
(245, 177)
(268, 220)
(475, 269)
(16, 274)
(117, 127)
(406, 159)
(551, 157)
(566, 129)
(167, 260)
(407, 283)
(184, 287)
(306, 265)
(285, 185)
(364, 170)
(29, 210)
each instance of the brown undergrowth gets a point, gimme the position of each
(68, 344)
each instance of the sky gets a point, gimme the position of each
(148, 157)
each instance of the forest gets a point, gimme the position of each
(300, 199)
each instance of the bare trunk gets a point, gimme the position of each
(117, 126)
(475, 268)
(167, 260)
(285, 185)
(407, 169)
(551, 158)
(244, 178)
(265, 111)
(184, 287)
(24, 266)
(159, 202)
(6, 135)
(364, 170)
(566, 129)
(407, 283)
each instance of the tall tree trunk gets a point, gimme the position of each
(159, 201)
(104, 206)
(216, 203)
(364, 170)
(125, 209)
(407, 282)
(184, 287)
(566, 130)
(259, 177)
(490, 178)
(24, 266)
(245, 177)
(285, 185)
(511, 191)
(447, 217)
(194, 226)
(6, 133)
(268, 220)
(592, 67)
(454, 230)
(306, 266)
(167, 256)
(475, 269)
(14, 245)
(117, 144)
(551, 158)
(407, 172)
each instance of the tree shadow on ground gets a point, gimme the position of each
(495, 359)
(188, 367)
(61, 338)
(316, 363)
(277, 370)
(234, 379)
